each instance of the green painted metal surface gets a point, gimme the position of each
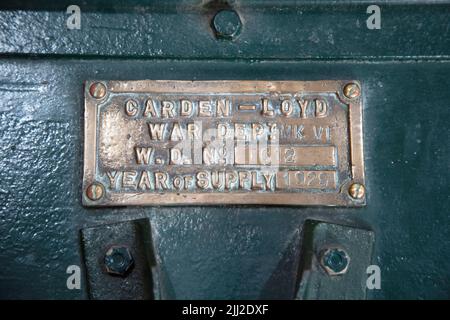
(225, 251)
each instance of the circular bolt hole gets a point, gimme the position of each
(226, 24)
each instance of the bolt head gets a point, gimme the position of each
(97, 90)
(335, 261)
(118, 260)
(226, 24)
(352, 91)
(357, 191)
(95, 191)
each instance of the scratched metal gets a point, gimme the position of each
(223, 142)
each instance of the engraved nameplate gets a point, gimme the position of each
(223, 142)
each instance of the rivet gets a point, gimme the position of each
(97, 90)
(357, 191)
(94, 191)
(352, 91)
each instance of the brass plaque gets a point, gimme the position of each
(223, 142)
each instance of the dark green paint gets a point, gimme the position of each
(238, 251)
(271, 29)
(132, 241)
(349, 248)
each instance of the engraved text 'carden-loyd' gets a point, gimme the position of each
(223, 142)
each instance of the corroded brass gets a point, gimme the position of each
(223, 142)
